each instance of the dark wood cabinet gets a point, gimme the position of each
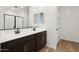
(29, 43)
(40, 41)
(19, 48)
(16, 45)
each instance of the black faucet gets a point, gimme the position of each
(34, 28)
(17, 31)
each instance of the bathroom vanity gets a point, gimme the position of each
(33, 41)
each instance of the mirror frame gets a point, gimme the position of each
(14, 22)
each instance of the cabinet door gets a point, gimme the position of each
(40, 41)
(19, 48)
(30, 44)
(3, 47)
(43, 40)
(16, 45)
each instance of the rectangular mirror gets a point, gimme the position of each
(8, 21)
(39, 18)
(19, 22)
(12, 22)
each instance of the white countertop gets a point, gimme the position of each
(8, 35)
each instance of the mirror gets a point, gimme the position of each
(39, 18)
(8, 21)
(12, 22)
(19, 22)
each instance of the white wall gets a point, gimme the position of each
(50, 22)
(70, 23)
(26, 16)
(17, 12)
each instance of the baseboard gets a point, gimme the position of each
(69, 39)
